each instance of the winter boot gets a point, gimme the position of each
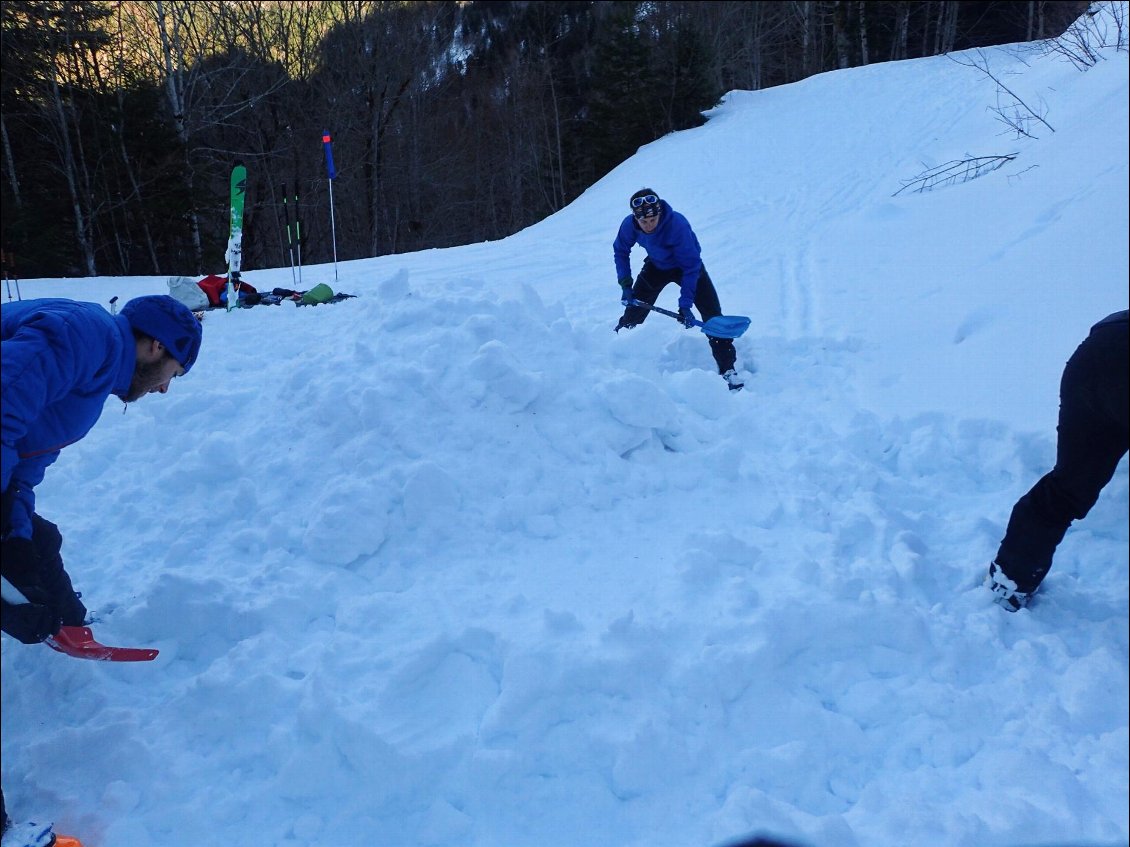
(733, 380)
(1005, 592)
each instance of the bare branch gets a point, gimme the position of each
(954, 173)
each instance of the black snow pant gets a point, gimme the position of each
(653, 279)
(1093, 436)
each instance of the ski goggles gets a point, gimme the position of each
(645, 200)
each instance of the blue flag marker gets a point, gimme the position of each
(327, 143)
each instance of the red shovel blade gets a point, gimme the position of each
(78, 641)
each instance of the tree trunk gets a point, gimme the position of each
(173, 53)
(12, 178)
(804, 7)
(946, 33)
(902, 27)
(864, 53)
(127, 164)
(375, 188)
(135, 188)
(66, 161)
(559, 150)
(840, 33)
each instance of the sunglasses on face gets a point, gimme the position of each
(646, 200)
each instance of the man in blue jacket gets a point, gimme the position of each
(673, 255)
(61, 360)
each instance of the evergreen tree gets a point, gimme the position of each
(683, 60)
(624, 100)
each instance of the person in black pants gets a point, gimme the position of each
(673, 255)
(1094, 435)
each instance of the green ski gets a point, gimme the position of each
(235, 233)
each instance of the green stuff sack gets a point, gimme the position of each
(320, 293)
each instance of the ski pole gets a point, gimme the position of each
(326, 142)
(289, 243)
(333, 230)
(298, 236)
(8, 261)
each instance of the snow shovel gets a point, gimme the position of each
(723, 326)
(78, 641)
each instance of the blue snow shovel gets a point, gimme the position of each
(723, 326)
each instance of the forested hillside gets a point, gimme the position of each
(452, 123)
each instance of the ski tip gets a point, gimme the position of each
(66, 841)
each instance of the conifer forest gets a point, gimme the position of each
(451, 122)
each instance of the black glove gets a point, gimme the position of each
(626, 295)
(19, 564)
(30, 623)
(43, 582)
(686, 318)
(7, 502)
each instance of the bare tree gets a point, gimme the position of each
(840, 34)
(901, 30)
(805, 11)
(1011, 109)
(9, 161)
(1102, 25)
(945, 32)
(864, 51)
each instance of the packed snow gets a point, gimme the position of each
(453, 564)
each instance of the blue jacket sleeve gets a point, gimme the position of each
(622, 248)
(45, 359)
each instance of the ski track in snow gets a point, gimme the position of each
(454, 564)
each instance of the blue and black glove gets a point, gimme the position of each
(19, 564)
(35, 568)
(686, 318)
(31, 623)
(35, 620)
(626, 295)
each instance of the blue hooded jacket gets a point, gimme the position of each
(61, 360)
(672, 245)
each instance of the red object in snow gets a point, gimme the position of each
(78, 641)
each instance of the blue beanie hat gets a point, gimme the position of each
(170, 322)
